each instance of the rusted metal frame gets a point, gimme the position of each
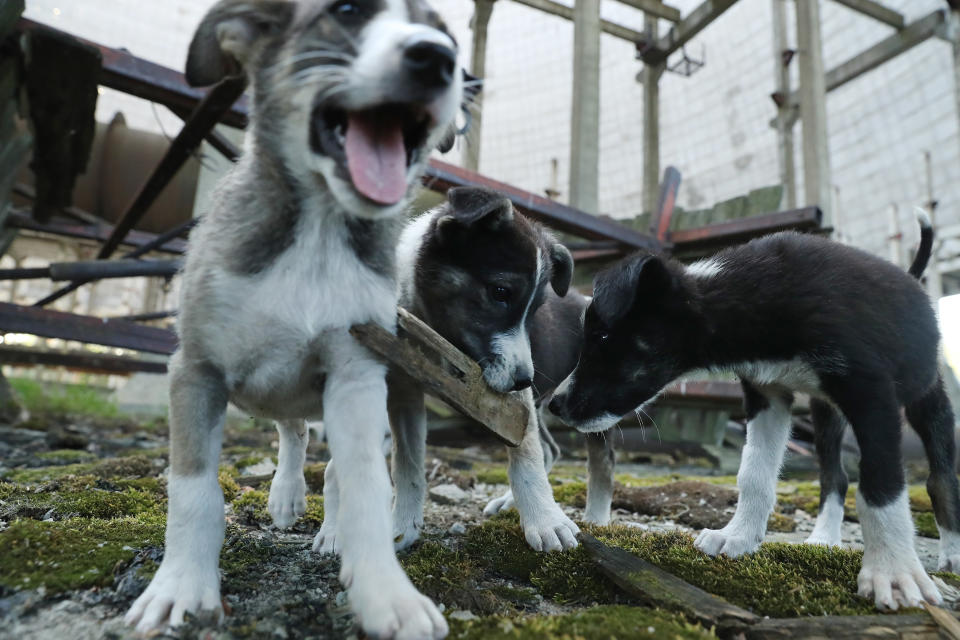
(201, 121)
(99, 232)
(96, 270)
(146, 317)
(125, 72)
(440, 176)
(157, 242)
(88, 329)
(80, 360)
(684, 31)
(28, 192)
(226, 148)
(726, 233)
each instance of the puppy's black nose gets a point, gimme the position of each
(522, 383)
(430, 63)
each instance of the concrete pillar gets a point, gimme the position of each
(785, 119)
(954, 21)
(585, 118)
(482, 11)
(651, 125)
(813, 109)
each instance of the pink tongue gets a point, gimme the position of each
(376, 157)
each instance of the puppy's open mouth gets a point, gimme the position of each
(375, 147)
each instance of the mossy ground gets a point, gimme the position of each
(76, 521)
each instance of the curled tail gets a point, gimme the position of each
(926, 245)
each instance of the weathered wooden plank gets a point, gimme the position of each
(652, 585)
(446, 372)
(876, 11)
(903, 627)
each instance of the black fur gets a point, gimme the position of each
(374, 242)
(828, 427)
(862, 326)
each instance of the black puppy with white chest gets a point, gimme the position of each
(789, 312)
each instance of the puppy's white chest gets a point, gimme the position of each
(795, 375)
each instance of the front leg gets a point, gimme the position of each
(188, 579)
(288, 490)
(545, 526)
(768, 429)
(408, 423)
(383, 598)
(551, 453)
(600, 464)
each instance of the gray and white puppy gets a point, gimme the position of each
(348, 98)
(478, 273)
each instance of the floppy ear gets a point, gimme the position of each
(652, 276)
(562, 269)
(472, 204)
(226, 36)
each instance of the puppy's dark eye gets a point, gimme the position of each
(500, 293)
(603, 336)
(347, 9)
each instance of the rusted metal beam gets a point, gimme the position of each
(96, 270)
(440, 176)
(80, 360)
(88, 329)
(99, 232)
(200, 123)
(726, 233)
(158, 241)
(876, 11)
(685, 30)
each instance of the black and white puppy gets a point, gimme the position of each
(478, 273)
(348, 99)
(789, 312)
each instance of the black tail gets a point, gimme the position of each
(926, 245)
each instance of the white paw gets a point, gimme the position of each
(288, 499)
(823, 540)
(406, 530)
(895, 584)
(497, 505)
(599, 516)
(730, 542)
(394, 609)
(326, 539)
(172, 592)
(949, 563)
(551, 530)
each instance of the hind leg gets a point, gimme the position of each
(600, 461)
(891, 574)
(828, 427)
(932, 418)
(288, 490)
(408, 423)
(768, 429)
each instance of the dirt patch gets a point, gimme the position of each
(695, 504)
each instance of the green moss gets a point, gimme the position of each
(630, 480)
(597, 623)
(780, 522)
(57, 399)
(66, 456)
(569, 576)
(73, 554)
(251, 506)
(313, 516)
(522, 596)
(492, 475)
(42, 474)
(250, 460)
(919, 498)
(572, 493)
(313, 474)
(228, 485)
(86, 497)
(779, 580)
(926, 524)
(449, 576)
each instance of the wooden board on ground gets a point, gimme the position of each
(652, 585)
(447, 373)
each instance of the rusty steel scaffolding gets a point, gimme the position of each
(225, 103)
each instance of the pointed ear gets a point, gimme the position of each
(562, 263)
(653, 277)
(472, 204)
(226, 36)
